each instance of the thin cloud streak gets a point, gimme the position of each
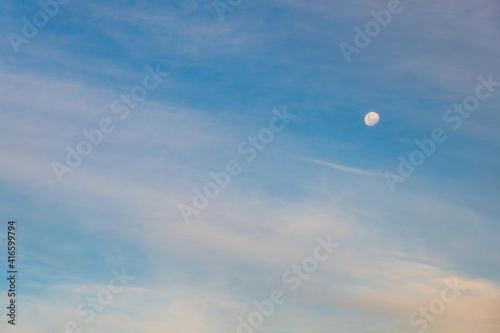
(346, 168)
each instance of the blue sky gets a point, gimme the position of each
(322, 175)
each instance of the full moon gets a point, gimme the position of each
(372, 118)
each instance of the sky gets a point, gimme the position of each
(170, 165)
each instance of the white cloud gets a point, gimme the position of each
(344, 168)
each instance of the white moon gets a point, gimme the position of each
(372, 118)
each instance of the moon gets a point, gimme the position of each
(372, 118)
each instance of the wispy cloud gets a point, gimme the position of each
(340, 167)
